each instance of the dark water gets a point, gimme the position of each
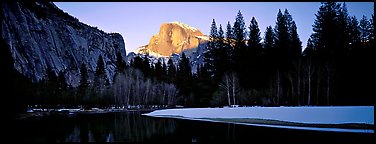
(133, 127)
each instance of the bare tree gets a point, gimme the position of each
(309, 71)
(226, 86)
(230, 85)
(171, 93)
(235, 85)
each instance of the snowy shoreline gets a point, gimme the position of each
(306, 116)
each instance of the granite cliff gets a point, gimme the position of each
(40, 35)
(173, 37)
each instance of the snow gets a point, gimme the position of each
(288, 127)
(308, 115)
(203, 37)
(185, 26)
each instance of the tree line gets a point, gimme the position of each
(334, 69)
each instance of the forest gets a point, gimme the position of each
(240, 68)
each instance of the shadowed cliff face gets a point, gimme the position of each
(41, 35)
(174, 37)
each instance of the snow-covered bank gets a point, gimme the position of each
(307, 115)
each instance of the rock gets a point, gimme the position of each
(173, 37)
(41, 35)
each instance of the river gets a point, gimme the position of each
(134, 127)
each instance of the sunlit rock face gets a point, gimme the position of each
(40, 35)
(173, 37)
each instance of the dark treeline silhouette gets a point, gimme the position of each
(240, 68)
(334, 69)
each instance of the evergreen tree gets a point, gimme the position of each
(296, 44)
(239, 31)
(269, 51)
(50, 86)
(229, 34)
(220, 56)
(146, 67)
(164, 71)
(120, 64)
(158, 70)
(364, 29)
(268, 43)
(184, 81)
(100, 82)
(209, 58)
(354, 33)
(281, 53)
(62, 88)
(137, 63)
(229, 42)
(239, 55)
(100, 70)
(253, 70)
(83, 85)
(171, 70)
(308, 60)
(343, 33)
(324, 29)
(184, 66)
(372, 30)
(281, 40)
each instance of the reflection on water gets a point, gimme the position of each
(133, 127)
(109, 127)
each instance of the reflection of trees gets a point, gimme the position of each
(121, 127)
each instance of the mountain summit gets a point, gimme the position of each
(173, 37)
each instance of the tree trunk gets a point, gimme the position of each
(233, 87)
(278, 83)
(228, 90)
(328, 89)
(309, 86)
(318, 89)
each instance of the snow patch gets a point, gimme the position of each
(185, 26)
(312, 115)
(308, 115)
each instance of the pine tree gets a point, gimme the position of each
(171, 70)
(100, 81)
(158, 70)
(253, 70)
(269, 51)
(209, 55)
(308, 56)
(229, 34)
(184, 80)
(62, 87)
(364, 29)
(268, 43)
(354, 33)
(100, 70)
(146, 67)
(239, 55)
(83, 85)
(137, 63)
(372, 30)
(229, 43)
(296, 44)
(325, 29)
(239, 31)
(120, 64)
(220, 56)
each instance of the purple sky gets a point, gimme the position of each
(138, 21)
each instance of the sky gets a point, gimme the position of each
(137, 22)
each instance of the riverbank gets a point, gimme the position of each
(38, 113)
(340, 119)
